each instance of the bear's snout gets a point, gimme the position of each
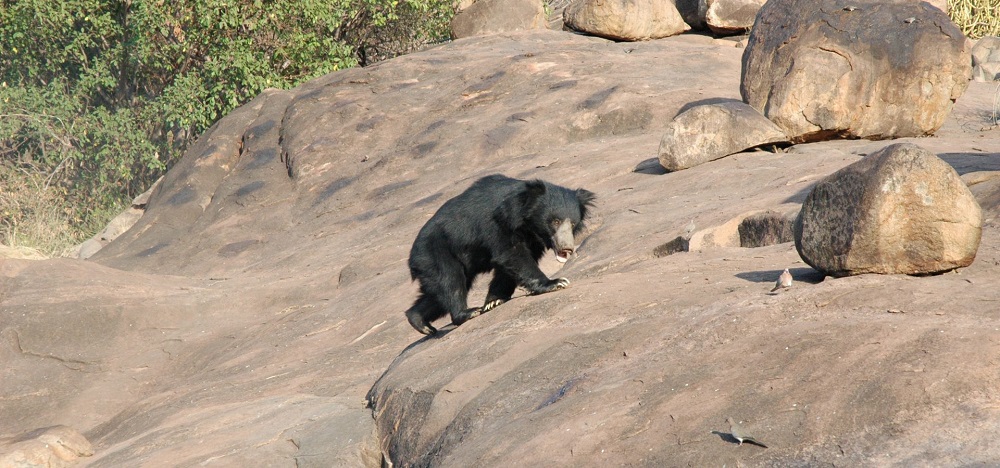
(564, 254)
(565, 244)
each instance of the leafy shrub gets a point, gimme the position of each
(386, 29)
(99, 97)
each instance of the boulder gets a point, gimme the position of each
(50, 447)
(116, 227)
(730, 16)
(985, 186)
(722, 17)
(495, 16)
(854, 68)
(750, 229)
(711, 131)
(899, 210)
(767, 228)
(625, 20)
(986, 59)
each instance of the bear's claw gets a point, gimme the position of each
(465, 315)
(492, 305)
(551, 285)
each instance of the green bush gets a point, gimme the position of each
(99, 97)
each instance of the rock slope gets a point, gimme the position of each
(257, 306)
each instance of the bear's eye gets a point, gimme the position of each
(556, 222)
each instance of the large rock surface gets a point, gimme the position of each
(854, 69)
(900, 210)
(245, 317)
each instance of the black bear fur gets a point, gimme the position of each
(498, 224)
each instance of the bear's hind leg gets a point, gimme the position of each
(423, 311)
(451, 291)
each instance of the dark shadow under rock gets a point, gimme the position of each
(680, 244)
(802, 275)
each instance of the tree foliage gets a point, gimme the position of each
(99, 97)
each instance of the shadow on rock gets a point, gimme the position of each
(727, 437)
(705, 102)
(965, 163)
(802, 275)
(650, 166)
(801, 195)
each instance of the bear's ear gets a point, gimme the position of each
(587, 199)
(533, 190)
(519, 205)
(528, 198)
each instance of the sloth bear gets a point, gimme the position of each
(500, 224)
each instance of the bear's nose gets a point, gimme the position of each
(564, 254)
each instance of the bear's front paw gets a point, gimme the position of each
(465, 315)
(492, 305)
(551, 285)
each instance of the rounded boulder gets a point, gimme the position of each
(900, 210)
(854, 68)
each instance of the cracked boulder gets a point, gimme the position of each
(496, 16)
(899, 210)
(854, 69)
(50, 447)
(986, 59)
(708, 132)
(625, 20)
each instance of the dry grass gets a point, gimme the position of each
(976, 18)
(32, 215)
